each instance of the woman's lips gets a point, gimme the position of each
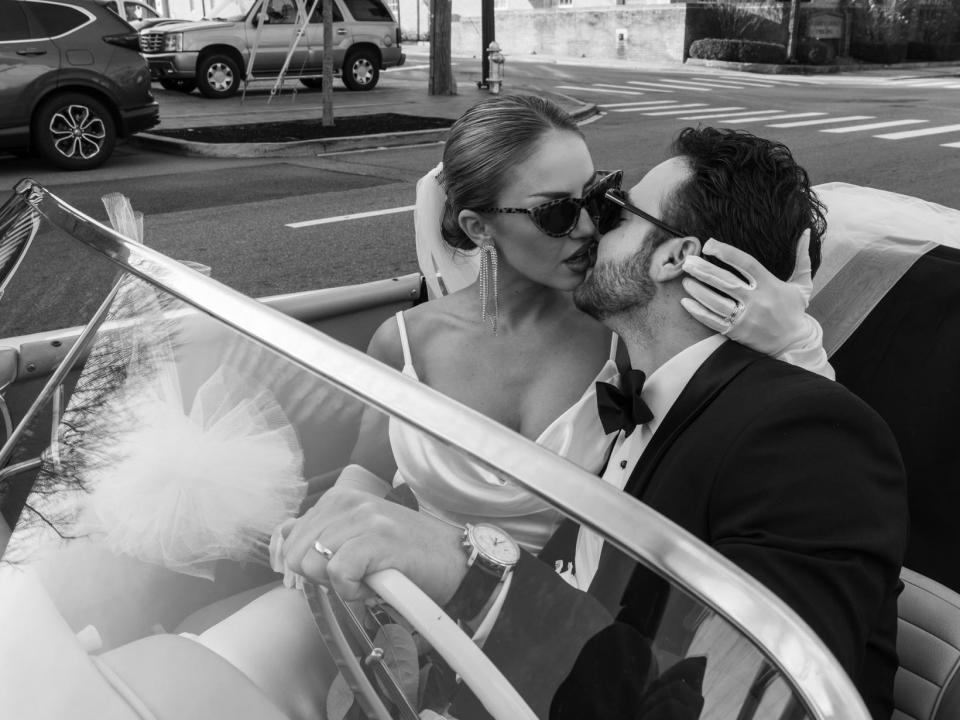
(584, 257)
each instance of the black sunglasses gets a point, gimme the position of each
(618, 199)
(558, 218)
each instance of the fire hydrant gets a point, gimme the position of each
(495, 59)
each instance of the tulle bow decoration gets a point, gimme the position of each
(171, 480)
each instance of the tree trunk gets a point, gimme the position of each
(326, 94)
(442, 81)
(793, 27)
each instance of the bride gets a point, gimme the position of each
(519, 196)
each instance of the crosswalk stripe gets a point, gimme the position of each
(648, 110)
(873, 126)
(634, 89)
(644, 103)
(603, 90)
(646, 85)
(930, 83)
(758, 118)
(713, 116)
(824, 121)
(677, 110)
(919, 133)
(956, 145)
(704, 83)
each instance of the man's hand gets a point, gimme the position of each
(367, 534)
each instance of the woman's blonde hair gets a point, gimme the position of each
(483, 148)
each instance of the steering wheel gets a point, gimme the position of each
(463, 656)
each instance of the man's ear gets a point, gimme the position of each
(668, 258)
(476, 228)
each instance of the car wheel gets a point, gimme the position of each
(218, 76)
(315, 83)
(184, 86)
(361, 70)
(74, 131)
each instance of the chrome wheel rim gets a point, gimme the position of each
(363, 71)
(77, 132)
(220, 77)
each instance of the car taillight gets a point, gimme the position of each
(130, 40)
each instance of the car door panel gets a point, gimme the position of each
(28, 66)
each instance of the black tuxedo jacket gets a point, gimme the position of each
(788, 475)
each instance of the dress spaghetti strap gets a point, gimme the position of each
(404, 343)
(614, 344)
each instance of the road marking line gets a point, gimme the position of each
(919, 133)
(749, 113)
(352, 216)
(825, 121)
(645, 85)
(702, 83)
(927, 84)
(597, 89)
(873, 126)
(675, 110)
(660, 103)
(758, 118)
(654, 88)
(408, 67)
(956, 145)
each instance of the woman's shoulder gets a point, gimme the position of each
(420, 324)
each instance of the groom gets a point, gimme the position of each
(785, 473)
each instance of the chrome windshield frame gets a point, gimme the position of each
(815, 675)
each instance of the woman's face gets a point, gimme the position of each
(560, 167)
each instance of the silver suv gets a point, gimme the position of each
(212, 54)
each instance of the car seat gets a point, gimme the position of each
(927, 685)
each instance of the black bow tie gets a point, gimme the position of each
(622, 408)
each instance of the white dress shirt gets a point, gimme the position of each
(660, 391)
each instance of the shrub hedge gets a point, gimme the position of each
(749, 51)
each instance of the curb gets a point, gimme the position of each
(312, 148)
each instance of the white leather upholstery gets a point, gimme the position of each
(928, 641)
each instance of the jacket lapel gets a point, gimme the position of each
(728, 361)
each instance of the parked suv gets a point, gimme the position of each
(212, 54)
(72, 81)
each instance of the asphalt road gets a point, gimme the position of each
(234, 214)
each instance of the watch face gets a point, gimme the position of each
(495, 544)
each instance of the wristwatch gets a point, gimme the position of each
(490, 549)
(491, 557)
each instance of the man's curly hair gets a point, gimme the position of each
(748, 192)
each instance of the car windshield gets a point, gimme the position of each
(153, 445)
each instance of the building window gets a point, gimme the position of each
(500, 4)
(565, 3)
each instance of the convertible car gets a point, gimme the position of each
(134, 512)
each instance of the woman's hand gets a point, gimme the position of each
(763, 312)
(365, 534)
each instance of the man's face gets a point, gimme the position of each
(620, 281)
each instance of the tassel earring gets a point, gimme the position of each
(489, 291)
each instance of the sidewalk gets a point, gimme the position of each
(400, 91)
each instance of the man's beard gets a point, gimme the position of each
(613, 288)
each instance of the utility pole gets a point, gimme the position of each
(487, 35)
(442, 81)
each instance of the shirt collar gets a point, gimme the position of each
(663, 387)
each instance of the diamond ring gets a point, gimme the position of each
(734, 314)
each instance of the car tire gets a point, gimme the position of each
(218, 76)
(361, 70)
(314, 83)
(184, 86)
(74, 131)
